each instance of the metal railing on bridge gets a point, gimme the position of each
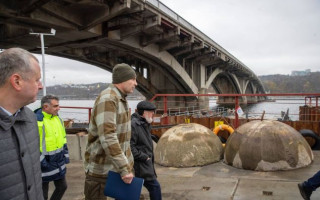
(197, 111)
(308, 110)
(308, 96)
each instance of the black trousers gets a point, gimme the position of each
(61, 187)
(154, 189)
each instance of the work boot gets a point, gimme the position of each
(305, 192)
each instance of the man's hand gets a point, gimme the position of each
(127, 178)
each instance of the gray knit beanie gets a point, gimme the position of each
(122, 72)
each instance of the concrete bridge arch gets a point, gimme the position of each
(169, 54)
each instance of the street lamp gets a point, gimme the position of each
(52, 33)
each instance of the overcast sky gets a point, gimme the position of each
(268, 36)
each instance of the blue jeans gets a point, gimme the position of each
(154, 189)
(313, 182)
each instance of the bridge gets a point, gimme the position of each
(168, 53)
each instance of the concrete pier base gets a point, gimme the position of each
(77, 145)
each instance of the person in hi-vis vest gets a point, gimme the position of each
(53, 147)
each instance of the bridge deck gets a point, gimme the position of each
(215, 181)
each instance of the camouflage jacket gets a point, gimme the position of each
(109, 135)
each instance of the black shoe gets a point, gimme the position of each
(305, 193)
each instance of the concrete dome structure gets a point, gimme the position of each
(267, 146)
(188, 145)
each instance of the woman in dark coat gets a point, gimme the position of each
(142, 148)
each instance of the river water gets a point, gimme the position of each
(77, 115)
(272, 109)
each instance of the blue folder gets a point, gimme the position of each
(116, 188)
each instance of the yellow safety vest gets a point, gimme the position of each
(52, 133)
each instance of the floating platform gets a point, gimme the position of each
(216, 181)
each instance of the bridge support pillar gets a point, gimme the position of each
(231, 100)
(203, 100)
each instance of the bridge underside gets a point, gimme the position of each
(169, 55)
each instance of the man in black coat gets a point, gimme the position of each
(142, 148)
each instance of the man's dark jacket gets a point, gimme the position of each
(142, 148)
(20, 173)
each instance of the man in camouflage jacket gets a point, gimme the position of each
(109, 134)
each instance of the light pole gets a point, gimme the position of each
(52, 33)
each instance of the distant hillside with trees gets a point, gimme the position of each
(292, 84)
(272, 83)
(81, 91)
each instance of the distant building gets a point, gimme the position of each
(301, 73)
